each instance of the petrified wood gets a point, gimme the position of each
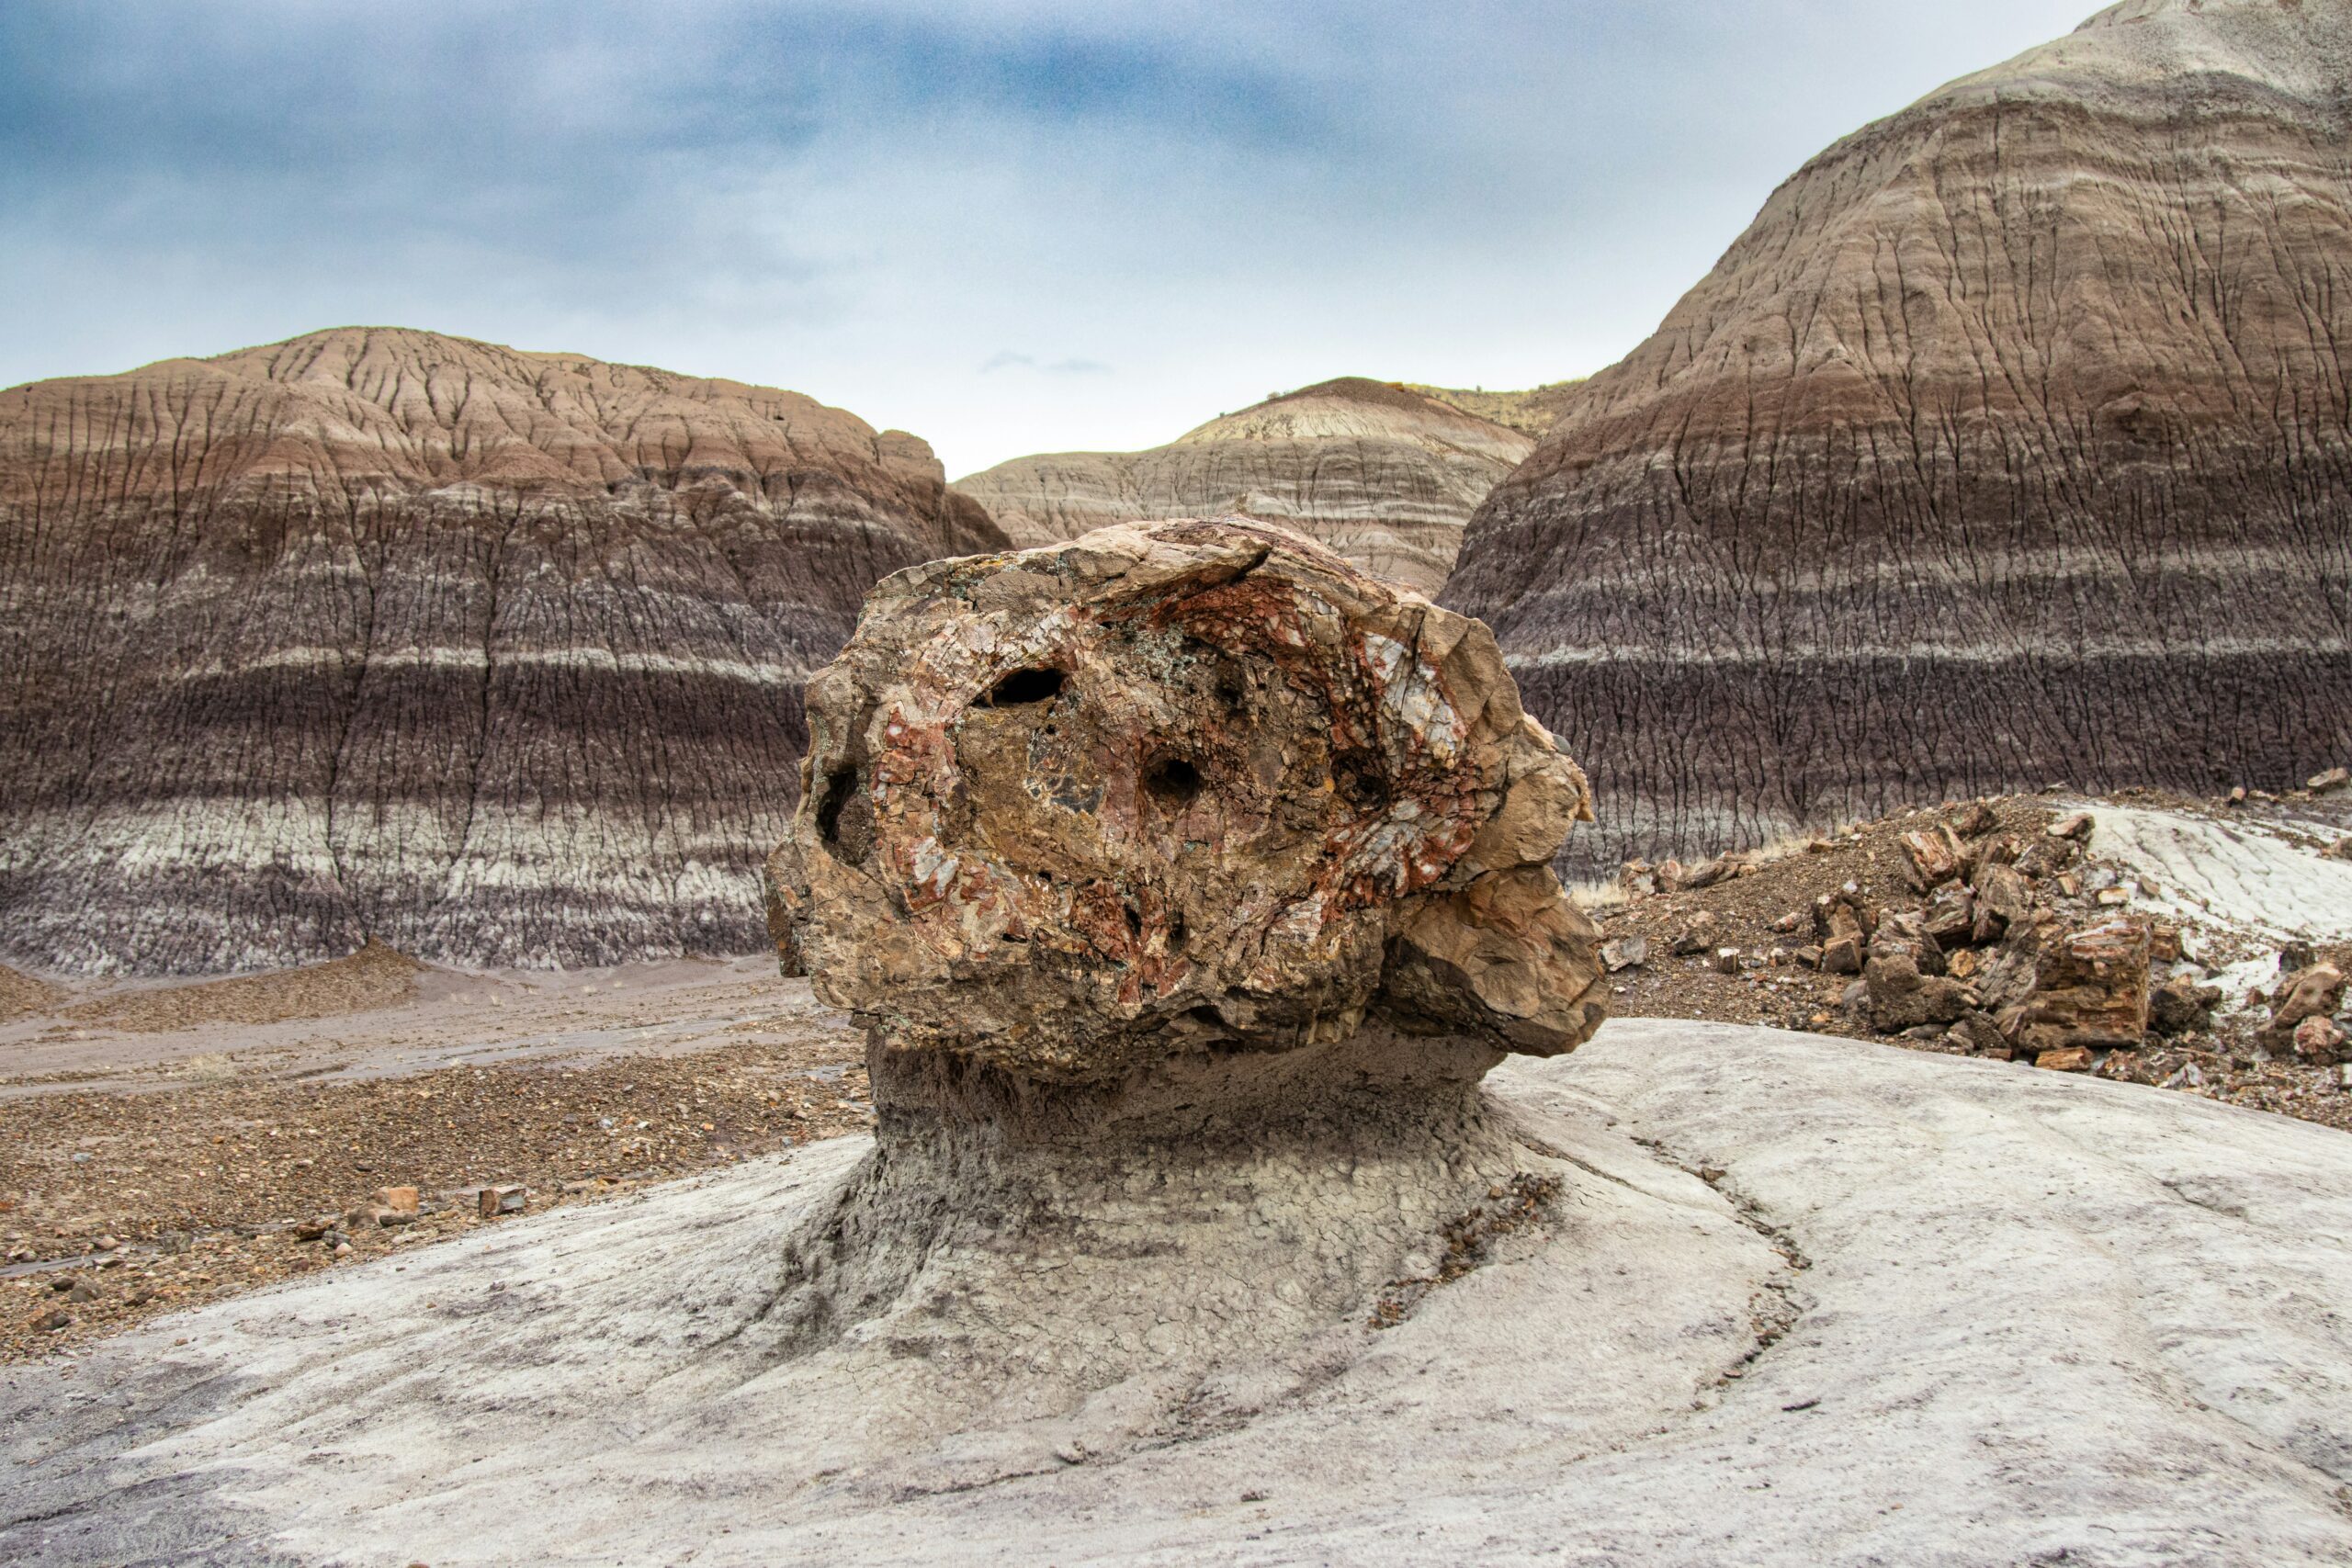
(1187, 882)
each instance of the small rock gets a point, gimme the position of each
(2077, 827)
(1808, 957)
(2318, 1040)
(399, 1200)
(2237, 796)
(2065, 1059)
(1900, 998)
(1977, 1032)
(1977, 819)
(1625, 953)
(1842, 955)
(50, 1321)
(497, 1201)
(2328, 781)
(2340, 850)
(1793, 920)
(2315, 992)
(1697, 937)
(1934, 858)
(2180, 1006)
(1726, 961)
(106, 1244)
(1720, 869)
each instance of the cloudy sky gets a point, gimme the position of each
(1006, 225)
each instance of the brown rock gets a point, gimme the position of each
(786, 888)
(1186, 883)
(493, 1201)
(2077, 827)
(2054, 986)
(1935, 857)
(1070, 812)
(1726, 961)
(1977, 819)
(2340, 850)
(1723, 868)
(2314, 992)
(1842, 955)
(1697, 937)
(399, 1200)
(1836, 915)
(1950, 920)
(2329, 782)
(2065, 1059)
(2318, 1039)
(2180, 1006)
(1625, 953)
(1902, 998)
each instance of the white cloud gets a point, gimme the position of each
(950, 216)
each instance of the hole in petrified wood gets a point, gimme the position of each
(1357, 779)
(1172, 780)
(1024, 687)
(845, 817)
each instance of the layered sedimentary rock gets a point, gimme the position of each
(493, 656)
(2012, 444)
(1382, 474)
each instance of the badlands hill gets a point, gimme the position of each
(1382, 473)
(493, 656)
(2011, 444)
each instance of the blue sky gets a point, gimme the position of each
(1007, 225)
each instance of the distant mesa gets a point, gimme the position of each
(2011, 444)
(1382, 473)
(493, 656)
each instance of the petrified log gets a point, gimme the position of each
(1186, 881)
